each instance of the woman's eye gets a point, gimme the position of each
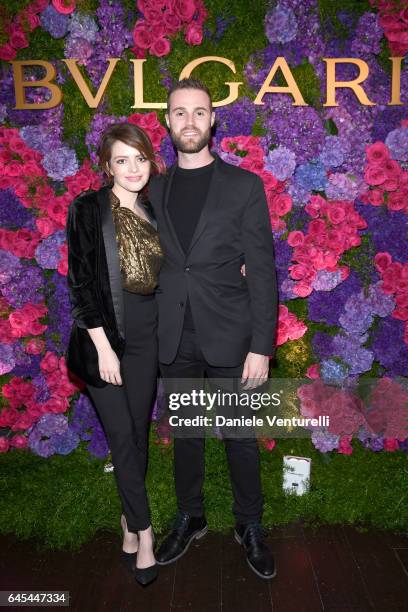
(120, 161)
(141, 159)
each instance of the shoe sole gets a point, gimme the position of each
(195, 536)
(239, 540)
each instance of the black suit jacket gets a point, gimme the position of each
(94, 281)
(232, 314)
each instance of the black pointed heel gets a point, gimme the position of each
(146, 575)
(128, 561)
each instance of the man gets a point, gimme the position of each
(213, 217)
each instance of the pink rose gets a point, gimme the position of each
(160, 47)
(295, 238)
(18, 39)
(382, 261)
(336, 214)
(391, 444)
(185, 9)
(64, 6)
(400, 313)
(19, 441)
(45, 226)
(4, 444)
(173, 23)
(158, 29)
(392, 169)
(281, 204)
(345, 447)
(268, 443)
(375, 175)
(390, 184)
(313, 371)
(376, 197)
(142, 36)
(302, 289)
(194, 34)
(49, 362)
(377, 153)
(396, 200)
(7, 52)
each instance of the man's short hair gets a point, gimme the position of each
(190, 83)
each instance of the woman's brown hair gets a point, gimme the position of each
(133, 136)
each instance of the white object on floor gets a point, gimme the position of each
(296, 474)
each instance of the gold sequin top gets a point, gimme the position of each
(140, 253)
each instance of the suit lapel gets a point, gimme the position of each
(112, 257)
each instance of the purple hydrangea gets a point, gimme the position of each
(7, 361)
(324, 441)
(326, 307)
(357, 316)
(13, 214)
(236, 119)
(388, 230)
(41, 435)
(280, 25)
(300, 196)
(9, 266)
(332, 154)
(343, 187)
(60, 163)
(397, 142)
(332, 372)
(41, 138)
(326, 281)
(42, 391)
(99, 124)
(168, 152)
(349, 349)
(281, 162)
(81, 25)
(54, 22)
(311, 176)
(367, 36)
(26, 285)
(59, 315)
(79, 48)
(47, 253)
(66, 442)
(389, 347)
(85, 423)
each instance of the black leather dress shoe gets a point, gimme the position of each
(259, 557)
(186, 529)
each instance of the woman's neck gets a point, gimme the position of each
(126, 198)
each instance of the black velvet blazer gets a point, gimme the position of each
(94, 282)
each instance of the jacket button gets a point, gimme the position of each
(187, 269)
(181, 304)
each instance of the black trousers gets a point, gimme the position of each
(125, 410)
(189, 461)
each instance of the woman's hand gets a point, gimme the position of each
(109, 366)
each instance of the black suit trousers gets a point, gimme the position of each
(189, 461)
(125, 410)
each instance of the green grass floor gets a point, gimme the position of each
(63, 501)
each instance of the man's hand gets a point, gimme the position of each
(255, 372)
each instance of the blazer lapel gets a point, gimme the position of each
(112, 257)
(210, 203)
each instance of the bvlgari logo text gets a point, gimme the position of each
(280, 66)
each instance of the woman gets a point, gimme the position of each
(114, 257)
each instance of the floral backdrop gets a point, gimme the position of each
(336, 180)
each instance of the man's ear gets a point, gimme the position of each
(166, 116)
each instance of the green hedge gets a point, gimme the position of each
(64, 501)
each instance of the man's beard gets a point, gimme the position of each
(190, 145)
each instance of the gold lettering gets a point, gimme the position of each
(332, 84)
(396, 81)
(92, 101)
(20, 85)
(291, 88)
(233, 87)
(138, 87)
